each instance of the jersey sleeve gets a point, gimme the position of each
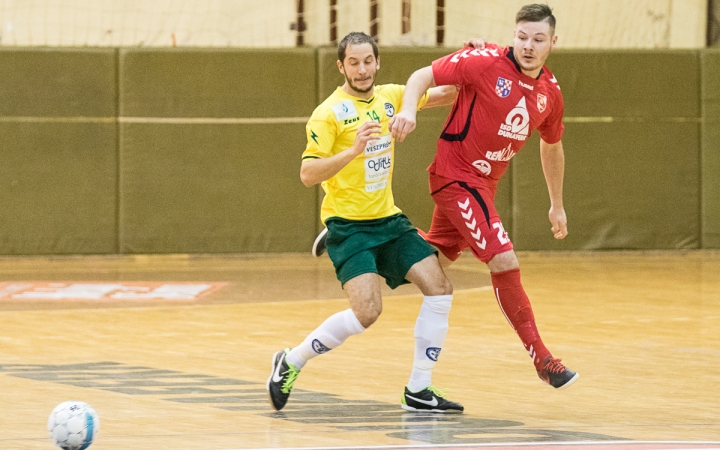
(321, 130)
(551, 129)
(461, 66)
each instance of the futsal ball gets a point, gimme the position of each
(73, 425)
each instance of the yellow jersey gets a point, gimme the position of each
(362, 190)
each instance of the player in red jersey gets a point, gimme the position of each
(505, 94)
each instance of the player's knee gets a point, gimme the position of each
(503, 262)
(446, 287)
(440, 285)
(369, 319)
(433, 280)
(369, 316)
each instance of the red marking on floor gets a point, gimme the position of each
(106, 291)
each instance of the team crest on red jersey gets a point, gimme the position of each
(502, 88)
(541, 102)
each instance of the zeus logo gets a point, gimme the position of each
(517, 122)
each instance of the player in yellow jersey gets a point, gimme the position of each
(351, 152)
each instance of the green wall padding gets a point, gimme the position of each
(56, 82)
(209, 141)
(214, 188)
(710, 160)
(627, 186)
(217, 82)
(631, 141)
(628, 83)
(58, 177)
(58, 188)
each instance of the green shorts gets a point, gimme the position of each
(388, 247)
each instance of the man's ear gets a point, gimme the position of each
(341, 68)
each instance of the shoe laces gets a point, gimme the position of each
(292, 374)
(554, 366)
(437, 391)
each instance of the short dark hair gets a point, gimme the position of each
(536, 13)
(355, 38)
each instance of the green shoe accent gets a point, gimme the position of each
(281, 380)
(292, 374)
(437, 391)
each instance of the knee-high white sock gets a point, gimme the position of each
(330, 334)
(430, 331)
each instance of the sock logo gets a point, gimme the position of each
(433, 353)
(531, 352)
(319, 347)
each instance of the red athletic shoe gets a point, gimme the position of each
(556, 374)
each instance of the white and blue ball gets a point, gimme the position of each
(73, 425)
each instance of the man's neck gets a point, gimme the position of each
(534, 74)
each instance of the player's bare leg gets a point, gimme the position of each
(515, 304)
(365, 299)
(445, 262)
(430, 330)
(365, 307)
(429, 277)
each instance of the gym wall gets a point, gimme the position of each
(198, 150)
(209, 144)
(58, 141)
(710, 148)
(632, 142)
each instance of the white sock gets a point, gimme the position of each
(430, 330)
(329, 335)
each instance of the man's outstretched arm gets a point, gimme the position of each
(441, 96)
(419, 82)
(404, 122)
(553, 164)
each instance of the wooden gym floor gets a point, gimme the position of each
(173, 353)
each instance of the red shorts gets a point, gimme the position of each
(465, 217)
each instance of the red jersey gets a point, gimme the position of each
(497, 108)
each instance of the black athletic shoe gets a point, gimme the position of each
(556, 374)
(281, 381)
(319, 244)
(430, 399)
